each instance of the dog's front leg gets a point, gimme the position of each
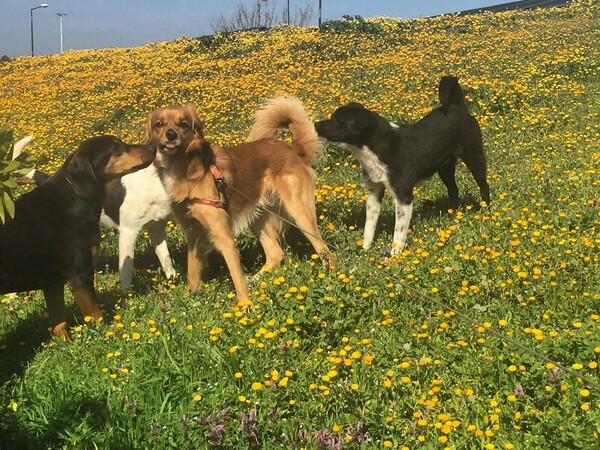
(374, 198)
(195, 259)
(127, 238)
(158, 237)
(81, 283)
(85, 298)
(216, 221)
(404, 207)
(57, 312)
(232, 258)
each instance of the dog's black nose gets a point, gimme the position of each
(171, 135)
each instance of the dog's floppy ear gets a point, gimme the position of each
(195, 145)
(147, 129)
(202, 147)
(363, 118)
(197, 125)
(81, 177)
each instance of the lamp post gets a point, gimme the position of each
(320, 9)
(43, 5)
(61, 15)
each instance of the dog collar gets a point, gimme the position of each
(220, 184)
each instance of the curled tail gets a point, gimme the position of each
(287, 112)
(450, 93)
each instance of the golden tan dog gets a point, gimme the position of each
(217, 192)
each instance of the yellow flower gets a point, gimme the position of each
(256, 386)
(197, 397)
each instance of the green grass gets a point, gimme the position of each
(372, 352)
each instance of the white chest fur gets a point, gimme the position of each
(370, 163)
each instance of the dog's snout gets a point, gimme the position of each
(171, 135)
(320, 127)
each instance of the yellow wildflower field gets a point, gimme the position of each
(482, 333)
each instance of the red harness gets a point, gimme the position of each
(220, 184)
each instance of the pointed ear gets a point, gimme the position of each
(197, 124)
(82, 178)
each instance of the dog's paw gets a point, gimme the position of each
(258, 275)
(395, 249)
(392, 253)
(327, 259)
(61, 332)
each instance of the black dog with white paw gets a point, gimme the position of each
(397, 158)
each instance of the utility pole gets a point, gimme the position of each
(61, 15)
(320, 9)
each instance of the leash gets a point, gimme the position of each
(283, 219)
(538, 355)
(220, 183)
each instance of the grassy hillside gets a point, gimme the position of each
(483, 333)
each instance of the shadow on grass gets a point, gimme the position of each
(424, 209)
(28, 336)
(22, 343)
(91, 412)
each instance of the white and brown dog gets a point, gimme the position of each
(217, 192)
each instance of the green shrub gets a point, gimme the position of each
(10, 170)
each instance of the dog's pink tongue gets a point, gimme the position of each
(170, 146)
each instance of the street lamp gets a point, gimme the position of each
(61, 15)
(43, 5)
(320, 9)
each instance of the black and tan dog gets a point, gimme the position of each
(397, 158)
(54, 235)
(218, 192)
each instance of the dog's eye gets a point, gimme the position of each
(184, 125)
(158, 124)
(116, 150)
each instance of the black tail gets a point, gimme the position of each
(450, 93)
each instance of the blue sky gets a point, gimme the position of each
(129, 23)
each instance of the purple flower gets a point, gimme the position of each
(519, 392)
(248, 424)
